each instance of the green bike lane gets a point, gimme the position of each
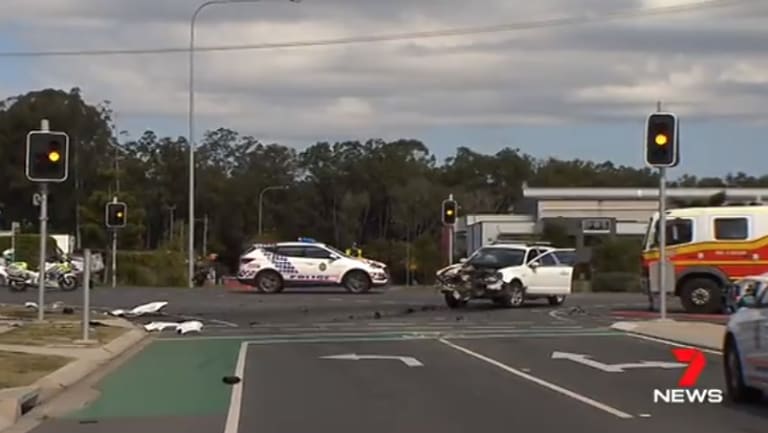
(176, 384)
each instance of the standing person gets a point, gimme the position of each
(354, 251)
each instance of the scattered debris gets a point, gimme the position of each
(67, 310)
(459, 318)
(150, 308)
(305, 310)
(180, 327)
(428, 308)
(30, 304)
(576, 310)
(377, 315)
(410, 311)
(56, 305)
(254, 323)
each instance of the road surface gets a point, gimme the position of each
(314, 363)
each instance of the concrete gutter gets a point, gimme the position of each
(15, 402)
(698, 334)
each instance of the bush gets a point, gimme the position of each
(151, 268)
(28, 248)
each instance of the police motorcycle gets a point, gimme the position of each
(59, 274)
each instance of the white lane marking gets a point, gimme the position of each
(672, 343)
(336, 300)
(554, 314)
(542, 382)
(644, 415)
(224, 322)
(235, 401)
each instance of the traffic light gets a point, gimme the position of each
(450, 211)
(662, 140)
(47, 156)
(116, 214)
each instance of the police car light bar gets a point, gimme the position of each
(308, 240)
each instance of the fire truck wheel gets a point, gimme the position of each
(701, 296)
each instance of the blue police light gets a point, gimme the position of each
(308, 240)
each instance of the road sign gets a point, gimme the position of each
(407, 360)
(614, 368)
(597, 226)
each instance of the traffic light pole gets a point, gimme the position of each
(114, 258)
(450, 238)
(43, 253)
(44, 126)
(663, 242)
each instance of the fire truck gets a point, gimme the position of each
(708, 247)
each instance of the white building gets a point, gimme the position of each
(629, 208)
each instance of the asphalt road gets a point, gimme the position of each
(326, 362)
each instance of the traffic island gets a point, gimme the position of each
(39, 360)
(699, 334)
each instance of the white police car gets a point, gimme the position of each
(745, 346)
(272, 267)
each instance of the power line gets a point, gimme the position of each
(500, 28)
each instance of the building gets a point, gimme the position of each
(627, 209)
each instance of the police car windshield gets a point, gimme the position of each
(335, 251)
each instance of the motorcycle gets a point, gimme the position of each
(59, 274)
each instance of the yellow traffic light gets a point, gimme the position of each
(661, 139)
(449, 212)
(54, 156)
(119, 214)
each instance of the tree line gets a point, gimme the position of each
(381, 194)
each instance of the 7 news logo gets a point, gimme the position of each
(685, 391)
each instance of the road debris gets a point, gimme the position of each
(140, 310)
(179, 327)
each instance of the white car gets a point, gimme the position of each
(745, 347)
(271, 267)
(508, 274)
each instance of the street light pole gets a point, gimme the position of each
(261, 200)
(193, 21)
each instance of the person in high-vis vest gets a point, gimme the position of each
(354, 251)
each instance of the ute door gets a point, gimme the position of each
(550, 277)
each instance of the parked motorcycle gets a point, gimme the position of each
(59, 274)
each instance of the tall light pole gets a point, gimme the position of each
(261, 200)
(193, 21)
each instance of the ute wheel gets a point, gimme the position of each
(736, 389)
(556, 300)
(452, 302)
(513, 295)
(269, 282)
(701, 296)
(356, 282)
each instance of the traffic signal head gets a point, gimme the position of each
(450, 211)
(47, 156)
(661, 140)
(116, 215)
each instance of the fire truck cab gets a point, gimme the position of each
(708, 247)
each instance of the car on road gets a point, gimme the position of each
(745, 346)
(508, 274)
(272, 267)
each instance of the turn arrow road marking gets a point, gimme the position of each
(407, 360)
(613, 368)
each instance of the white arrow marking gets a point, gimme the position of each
(613, 368)
(407, 360)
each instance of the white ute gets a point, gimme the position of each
(508, 274)
(271, 267)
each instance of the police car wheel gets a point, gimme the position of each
(736, 389)
(269, 282)
(357, 282)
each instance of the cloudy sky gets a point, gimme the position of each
(576, 91)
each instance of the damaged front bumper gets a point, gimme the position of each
(467, 284)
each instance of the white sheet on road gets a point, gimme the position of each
(140, 310)
(180, 327)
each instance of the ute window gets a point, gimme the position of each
(731, 229)
(497, 257)
(679, 231)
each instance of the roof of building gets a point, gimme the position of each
(642, 193)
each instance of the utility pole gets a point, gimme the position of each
(205, 235)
